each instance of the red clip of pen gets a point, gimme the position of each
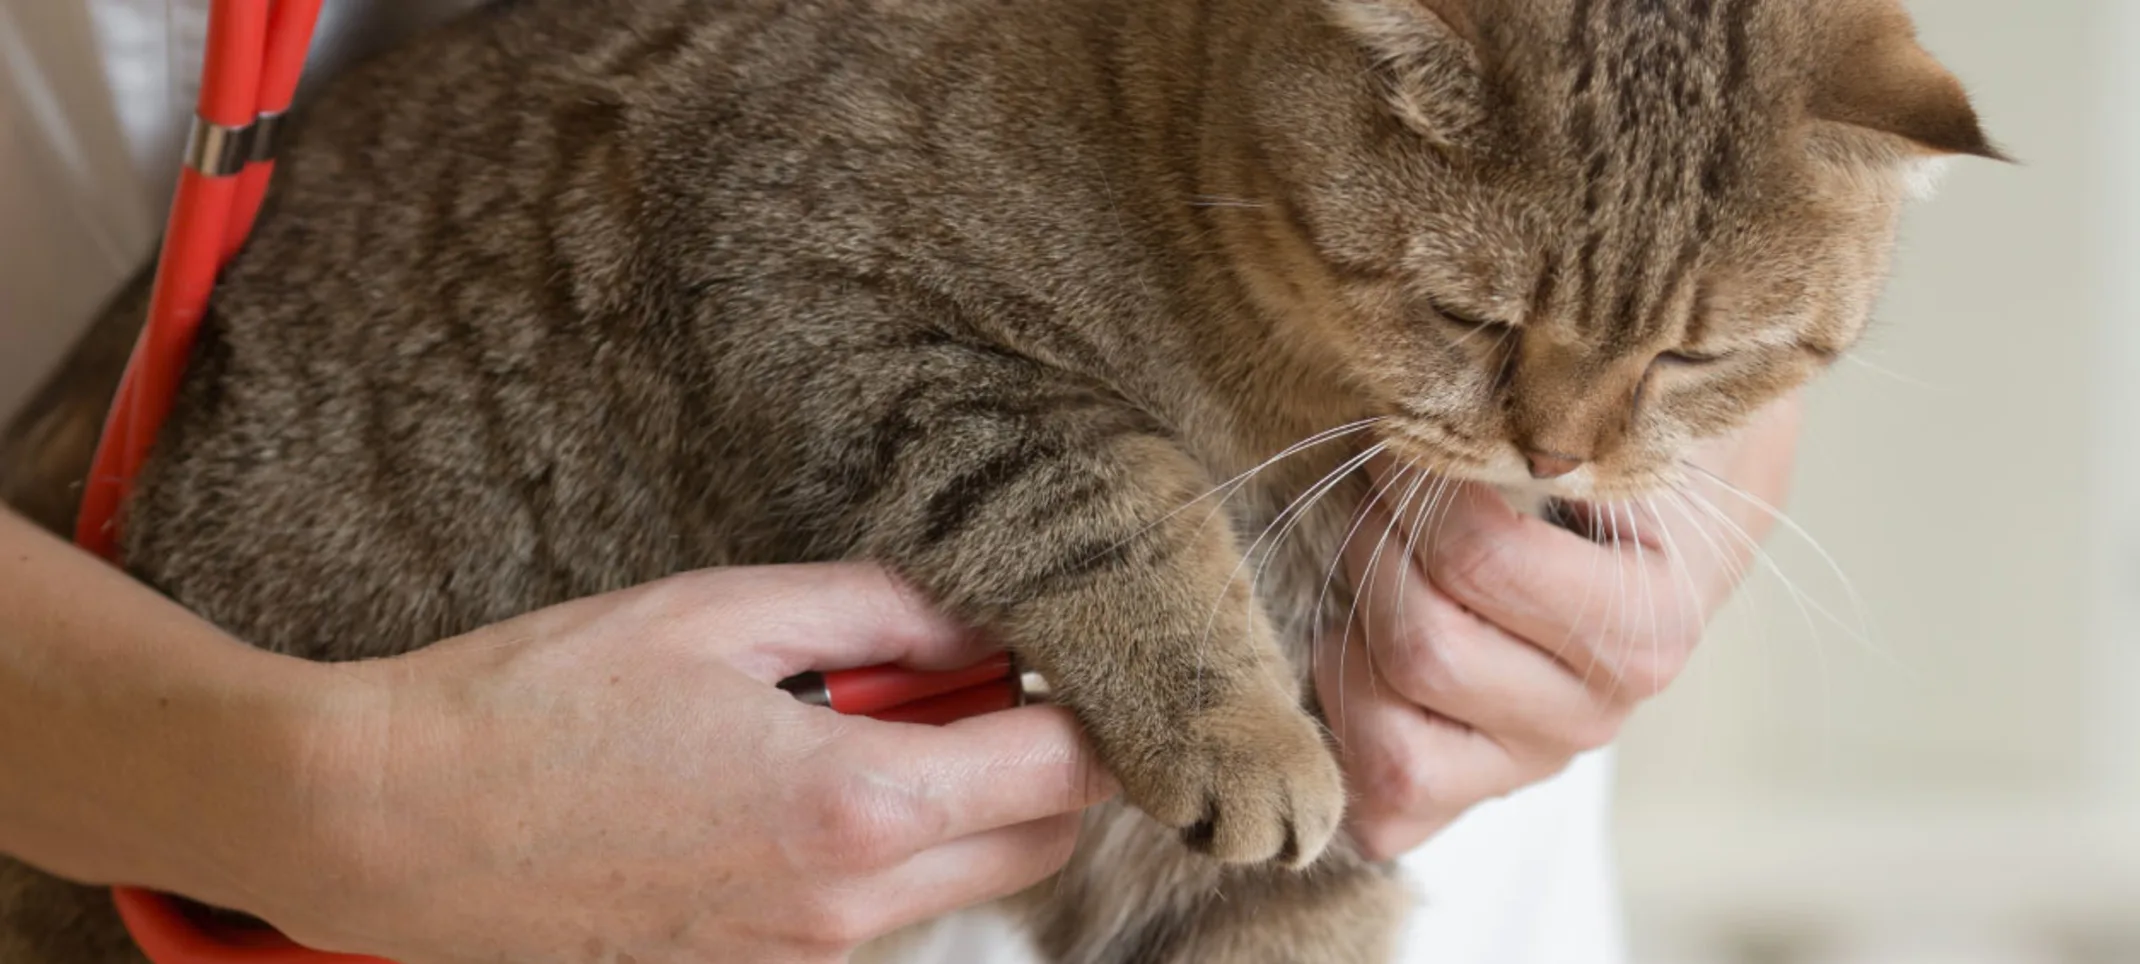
(896, 695)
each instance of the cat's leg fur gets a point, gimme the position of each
(1131, 896)
(1066, 522)
(1046, 512)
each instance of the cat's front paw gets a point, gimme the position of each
(1248, 782)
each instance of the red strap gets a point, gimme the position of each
(193, 249)
(251, 70)
(289, 38)
(167, 935)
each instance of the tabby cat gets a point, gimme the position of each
(573, 294)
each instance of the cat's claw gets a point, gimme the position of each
(1249, 784)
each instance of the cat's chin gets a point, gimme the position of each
(1628, 523)
(1581, 509)
(1528, 494)
(1532, 501)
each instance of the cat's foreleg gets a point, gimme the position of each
(1068, 523)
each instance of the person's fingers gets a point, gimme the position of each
(1411, 772)
(777, 621)
(990, 771)
(1622, 616)
(1436, 654)
(1706, 548)
(973, 869)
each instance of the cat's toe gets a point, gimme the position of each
(1249, 786)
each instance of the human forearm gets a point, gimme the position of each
(481, 799)
(141, 744)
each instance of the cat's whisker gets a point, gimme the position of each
(1678, 615)
(1642, 575)
(1621, 605)
(1286, 517)
(1234, 485)
(1850, 587)
(1807, 606)
(1881, 370)
(1444, 487)
(1360, 517)
(1367, 574)
(1582, 609)
(1298, 509)
(1737, 566)
(1467, 336)
(1605, 536)
(1682, 573)
(1859, 635)
(1696, 602)
(1420, 522)
(1329, 484)
(1740, 565)
(1756, 554)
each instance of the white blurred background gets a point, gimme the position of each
(1951, 773)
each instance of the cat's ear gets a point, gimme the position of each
(1880, 79)
(1428, 53)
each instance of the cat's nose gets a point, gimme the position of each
(1551, 465)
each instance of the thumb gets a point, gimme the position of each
(777, 621)
(991, 771)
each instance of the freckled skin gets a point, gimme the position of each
(571, 295)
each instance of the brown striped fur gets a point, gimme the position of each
(574, 294)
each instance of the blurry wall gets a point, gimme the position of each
(72, 228)
(1941, 765)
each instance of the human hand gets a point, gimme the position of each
(1490, 648)
(618, 778)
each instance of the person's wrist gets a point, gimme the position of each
(334, 845)
(279, 758)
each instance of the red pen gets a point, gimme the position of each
(896, 695)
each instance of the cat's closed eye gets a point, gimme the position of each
(1467, 320)
(1691, 359)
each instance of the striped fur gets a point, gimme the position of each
(574, 294)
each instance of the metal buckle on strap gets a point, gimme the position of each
(266, 141)
(216, 150)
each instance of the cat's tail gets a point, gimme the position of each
(46, 449)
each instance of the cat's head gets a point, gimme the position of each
(1562, 239)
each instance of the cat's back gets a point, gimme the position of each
(436, 389)
(599, 165)
(459, 371)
